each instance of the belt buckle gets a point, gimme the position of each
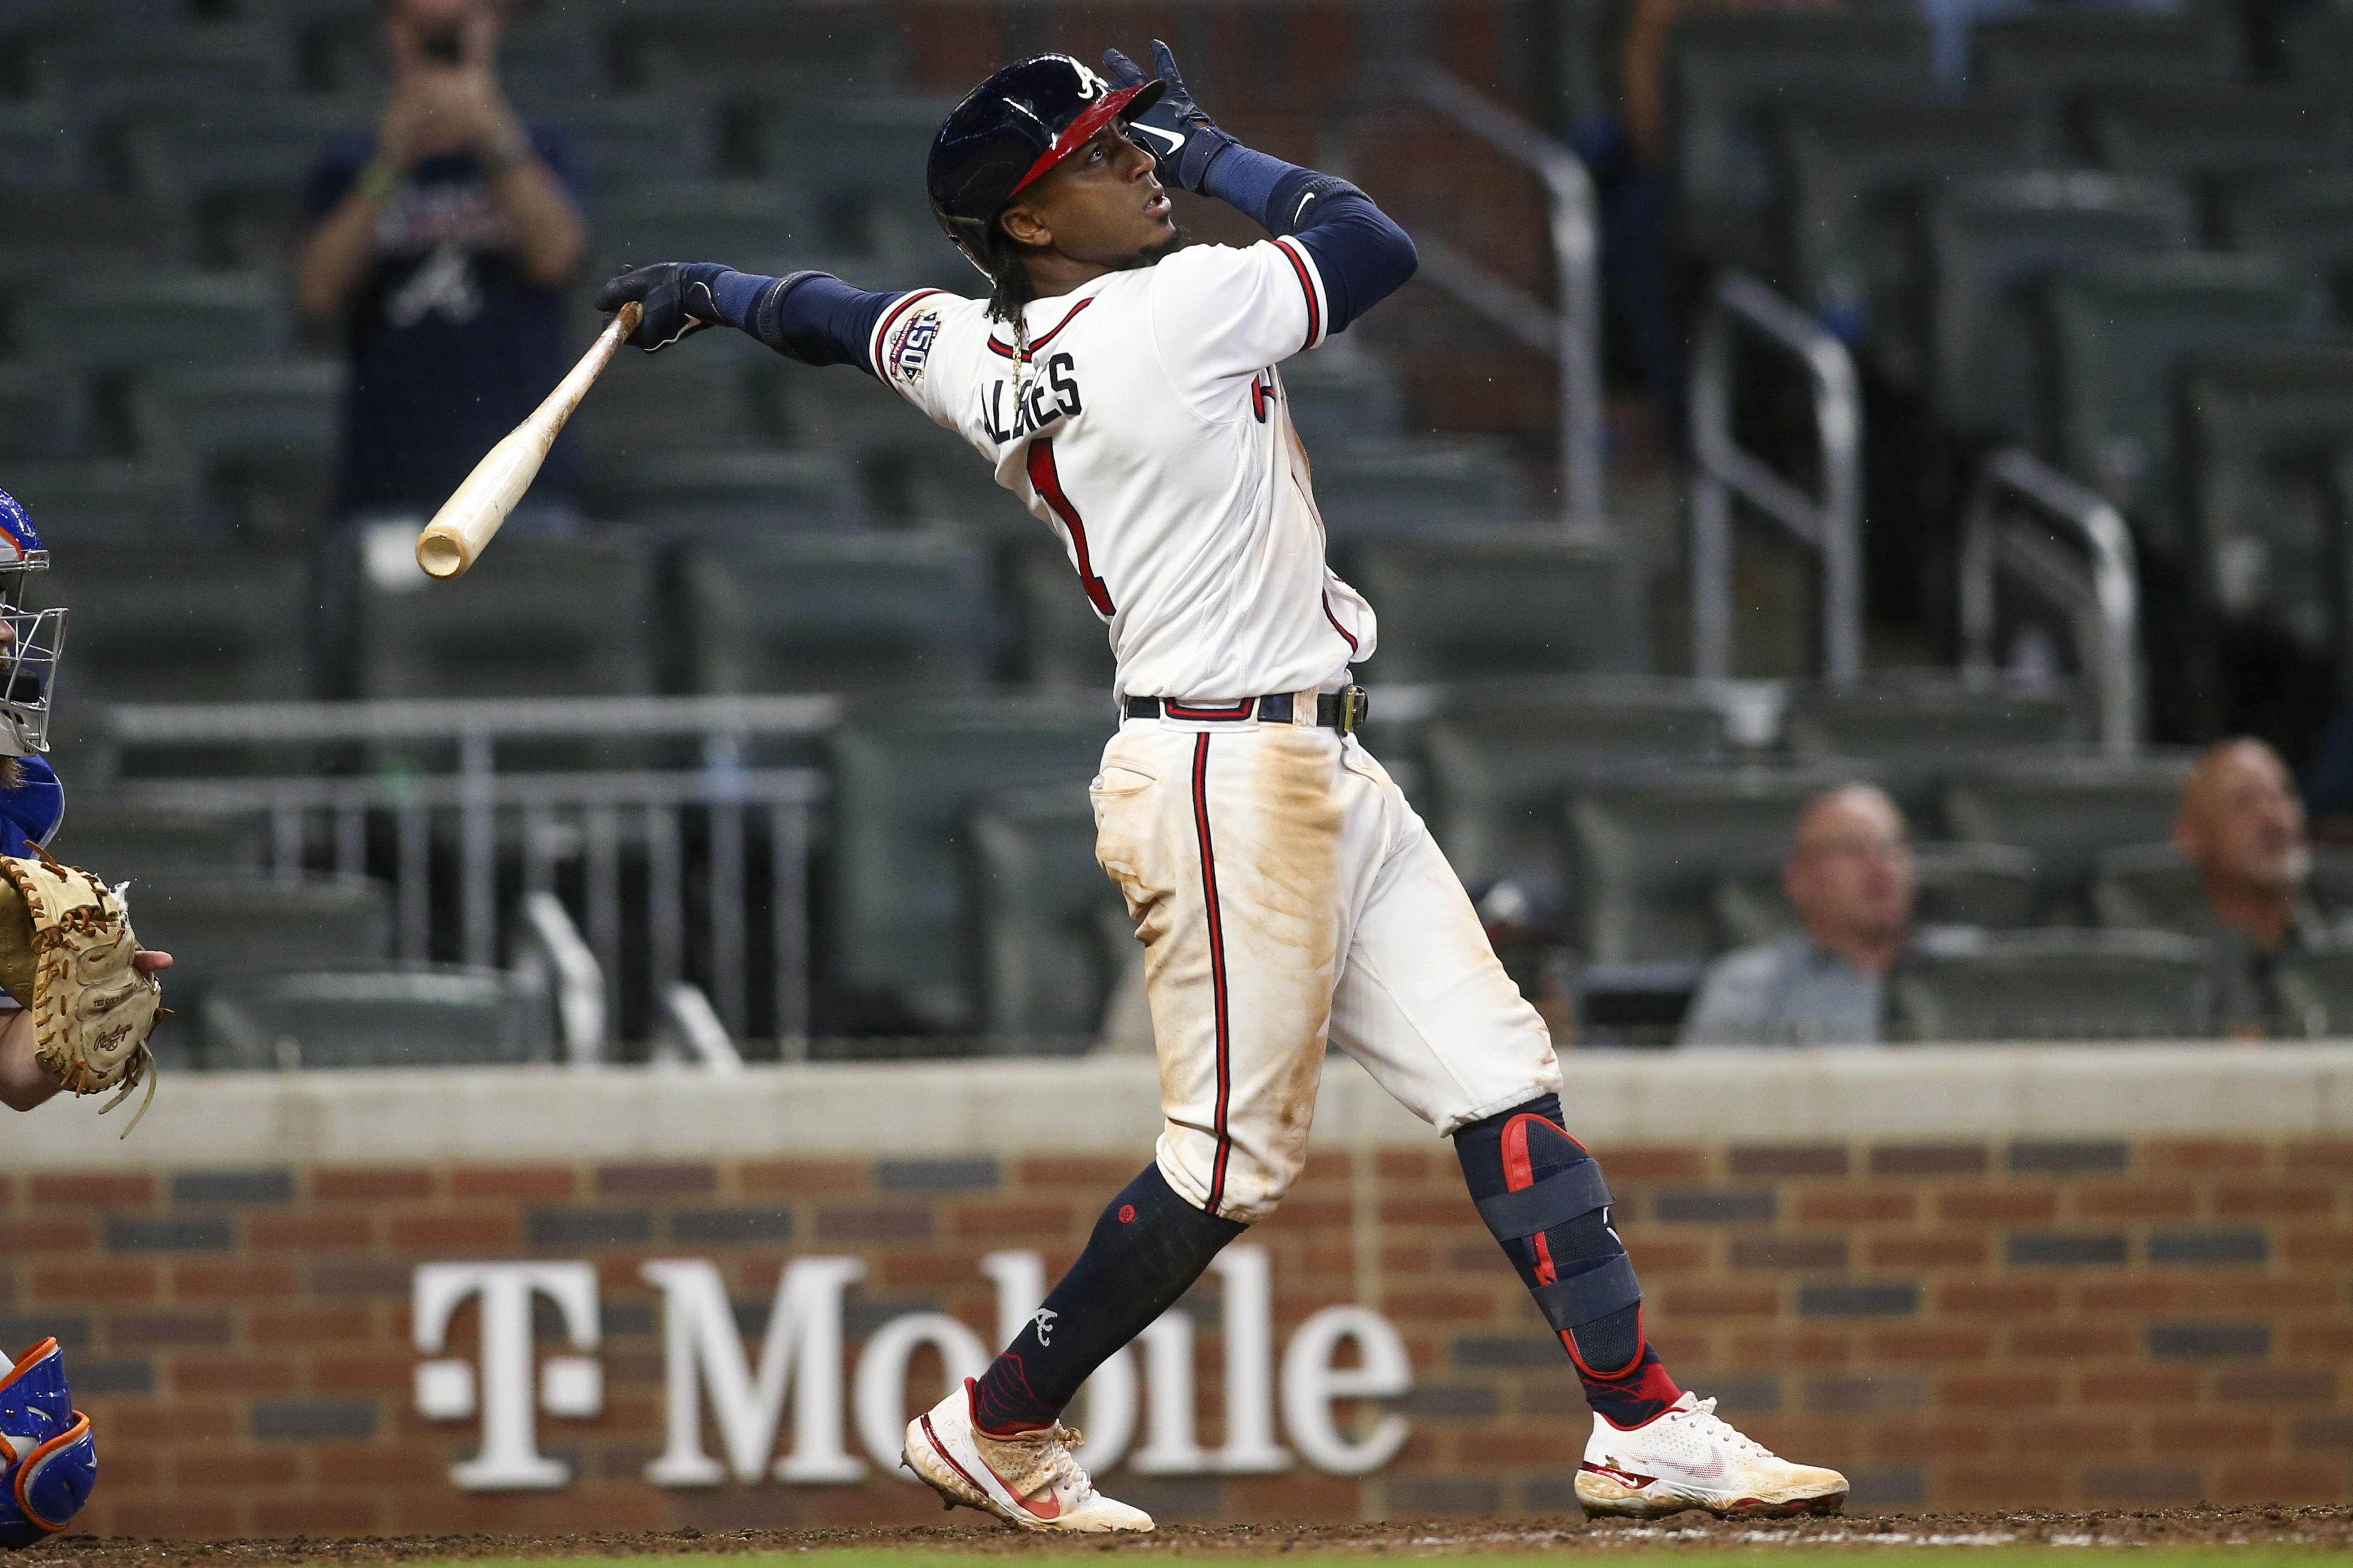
(1354, 703)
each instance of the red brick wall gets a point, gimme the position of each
(1963, 1323)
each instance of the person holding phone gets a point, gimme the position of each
(442, 242)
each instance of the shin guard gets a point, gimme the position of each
(1545, 1200)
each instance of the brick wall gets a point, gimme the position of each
(1960, 1323)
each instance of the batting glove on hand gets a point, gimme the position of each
(677, 299)
(1182, 140)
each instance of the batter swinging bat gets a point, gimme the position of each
(462, 529)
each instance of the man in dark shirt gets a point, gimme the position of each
(442, 243)
(2243, 827)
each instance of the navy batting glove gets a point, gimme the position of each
(677, 299)
(1183, 141)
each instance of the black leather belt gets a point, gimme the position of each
(1344, 710)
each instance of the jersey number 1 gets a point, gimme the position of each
(1048, 483)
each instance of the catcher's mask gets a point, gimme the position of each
(36, 639)
(1010, 132)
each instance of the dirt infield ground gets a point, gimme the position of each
(2300, 1530)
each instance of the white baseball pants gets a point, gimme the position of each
(1285, 894)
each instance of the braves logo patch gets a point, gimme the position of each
(909, 346)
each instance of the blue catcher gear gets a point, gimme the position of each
(1010, 132)
(36, 640)
(32, 805)
(52, 1459)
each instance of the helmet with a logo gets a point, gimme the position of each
(1010, 132)
(35, 639)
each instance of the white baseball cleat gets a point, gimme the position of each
(1030, 1480)
(1689, 1458)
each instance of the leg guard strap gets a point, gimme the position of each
(1564, 1195)
(1584, 1298)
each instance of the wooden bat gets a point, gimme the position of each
(468, 521)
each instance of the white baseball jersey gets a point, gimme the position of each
(1149, 429)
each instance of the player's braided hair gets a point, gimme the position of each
(1012, 289)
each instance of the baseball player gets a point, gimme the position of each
(1125, 386)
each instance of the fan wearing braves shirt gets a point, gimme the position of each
(1125, 386)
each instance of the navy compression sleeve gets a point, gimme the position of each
(1363, 255)
(812, 316)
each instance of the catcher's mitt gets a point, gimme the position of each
(66, 947)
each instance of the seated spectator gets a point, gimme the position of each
(2242, 825)
(1850, 878)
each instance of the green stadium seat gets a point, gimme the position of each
(2149, 887)
(265, 436)
(374, 1015)
(138, 843)
(1922, 733)
(2059, 55)
(536, 616)
(1731, 75)
(821, 51)
(2316, 990)
(1500, 756)
(106, 502)
(2306, 220)
(1647, 853)
(2067, 811)
(1992, 240)
(860, 163)
(233, 166)
(1986, 885)
(1468, 605)
(751, 490)
(2121, 330)
(2316, 46)
(217, 925)
(118, 321)
(751, 224)
(697, 398)
(178, 622)
(41, 148)
(1054, 932)
(834, 610)
(45, 409)
(1404, 485)
(2220, 136)
(907, 778)
(100, 72)
(636, 141)
(2055, 985)
(1340, 395)
(1064, 643)
(1860, 177)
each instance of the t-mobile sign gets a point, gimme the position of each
(797, 1367)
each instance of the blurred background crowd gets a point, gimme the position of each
(1945, 637)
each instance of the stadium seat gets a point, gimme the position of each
(1922, 733)
(1972, 986)
(2304, 220)
(2261, 425)
(45, 409)
(217, 925)
(2120, 331)
(50, 232)
(752, 225)
(699, 399)
(539, 617)
(178, 622)
(1501, 755)
(374, 1015)
(248, 429)
(1986, 885)
(1342, 394)
(832, 610)
(103, 71)
(2316, 46)
(1860, 177)
(2065, 812)
(860, 163)
(816, 50)
(1731, 74)
(1062, 642)
(113, 320)
(544, 55)
(2149, 887)
(2316, 990)
(1467, 603)
(1054, 932)
(636, 140)
(2219, 136)
(1647, 852)
(1991, 240)
(910, 467)
(234, 166)
(1403, 485)
(907, 777)
(727, 493)
(41, 148)
(130, 841)
(107, 502)
(2061, 54)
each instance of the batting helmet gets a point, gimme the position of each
(1008, 132)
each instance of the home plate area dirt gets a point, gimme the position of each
(2324, 1529)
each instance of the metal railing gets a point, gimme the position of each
(2100, 591)
(1831, 523)
(1571, 335)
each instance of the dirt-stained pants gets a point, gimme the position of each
(1286, 893)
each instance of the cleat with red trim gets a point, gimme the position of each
(1691, 1457)
(1029, 1480)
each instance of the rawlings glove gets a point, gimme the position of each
(65, 951)
(677, 298)
(1182, 140)
(48, 1461)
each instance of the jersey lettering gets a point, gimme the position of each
(1038, 402)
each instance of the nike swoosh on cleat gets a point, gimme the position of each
(1629, 1476)
(1051, 1509)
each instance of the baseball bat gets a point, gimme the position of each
(469, 519)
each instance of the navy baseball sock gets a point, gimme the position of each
(1146, 1250)
(1544, 1198)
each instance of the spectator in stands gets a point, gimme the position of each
(1849, 876)
(442, 243)
(2242, 825)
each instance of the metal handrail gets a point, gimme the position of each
(1572, 335)
(2104, 600)
(435, 718)
(577, 979)
(1831, 523)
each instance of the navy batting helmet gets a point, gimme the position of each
(1008, 132)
